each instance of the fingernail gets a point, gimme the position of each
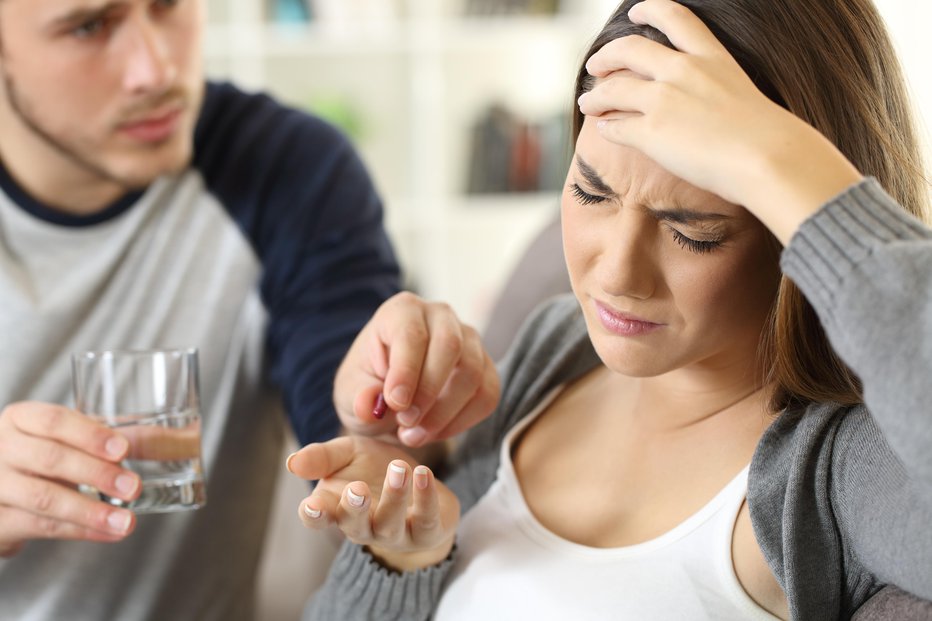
(409, 417)
(288, 462)
(380, 408)
(412, 436)
(401, 395)
(396, 476)
(116, 446)
(354, 499)
(119, 521)
(421, 478)
(311, 513)
(126, 484)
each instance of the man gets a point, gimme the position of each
(141, 208)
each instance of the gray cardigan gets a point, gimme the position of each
(840, 498)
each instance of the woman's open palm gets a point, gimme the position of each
(377, 496)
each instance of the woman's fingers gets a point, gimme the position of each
(318, 511)
(622, 92)
(353, 515)
(322, 459)
(643, 56)
(426, 526)
(683, 28)
(389, 526)
(408, 524)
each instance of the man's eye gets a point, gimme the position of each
(90, 28)
(584, 197)
(166, 4)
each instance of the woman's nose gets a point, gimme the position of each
(628, 267)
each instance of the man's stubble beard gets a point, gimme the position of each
(22, 109)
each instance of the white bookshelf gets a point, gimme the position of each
(418, 83)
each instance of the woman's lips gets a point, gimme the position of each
(623, 323)
(156, 128)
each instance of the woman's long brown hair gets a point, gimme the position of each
(831, 63)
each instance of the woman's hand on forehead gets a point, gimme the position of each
(696, 112)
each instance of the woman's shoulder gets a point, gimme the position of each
(552, 345)
(816, 439)
(553, 325)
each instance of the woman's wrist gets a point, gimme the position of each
(794, 176)
(411, 561)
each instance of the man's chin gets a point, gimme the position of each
(144, 174)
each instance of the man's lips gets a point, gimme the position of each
(154, 127)
(624, 324)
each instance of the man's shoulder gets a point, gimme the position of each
(255, 155)
(236, 127)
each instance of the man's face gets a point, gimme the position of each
(109, 87)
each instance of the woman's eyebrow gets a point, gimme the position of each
(593, 178)
(687, 216)
(680, 215)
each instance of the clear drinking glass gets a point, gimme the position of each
(151, 397)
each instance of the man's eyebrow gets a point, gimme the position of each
(593, 178)
(83, 14)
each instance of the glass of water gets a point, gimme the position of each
(151, 398)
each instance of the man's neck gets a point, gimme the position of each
(69, 195)
(51, 177)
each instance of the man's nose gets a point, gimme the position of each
(148, 63)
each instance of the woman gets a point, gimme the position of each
(681, 439)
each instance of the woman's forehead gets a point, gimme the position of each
(634, 177)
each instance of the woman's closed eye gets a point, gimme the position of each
(694, 245)
(688, 243)
(584, 197)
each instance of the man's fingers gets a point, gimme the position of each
(320, 460)
(68, 427)
(404, 329)
(59, 512)
(460, 407)
(373, 411)
(444, 352)
(53, 460)
(20, 526)
(482, 403)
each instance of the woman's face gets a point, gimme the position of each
(668, 276)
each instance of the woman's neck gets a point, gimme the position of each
(682, 400)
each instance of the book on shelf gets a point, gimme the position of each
(333, 12)
(511, 154)
(511, 7)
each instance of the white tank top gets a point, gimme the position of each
(509, 566)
